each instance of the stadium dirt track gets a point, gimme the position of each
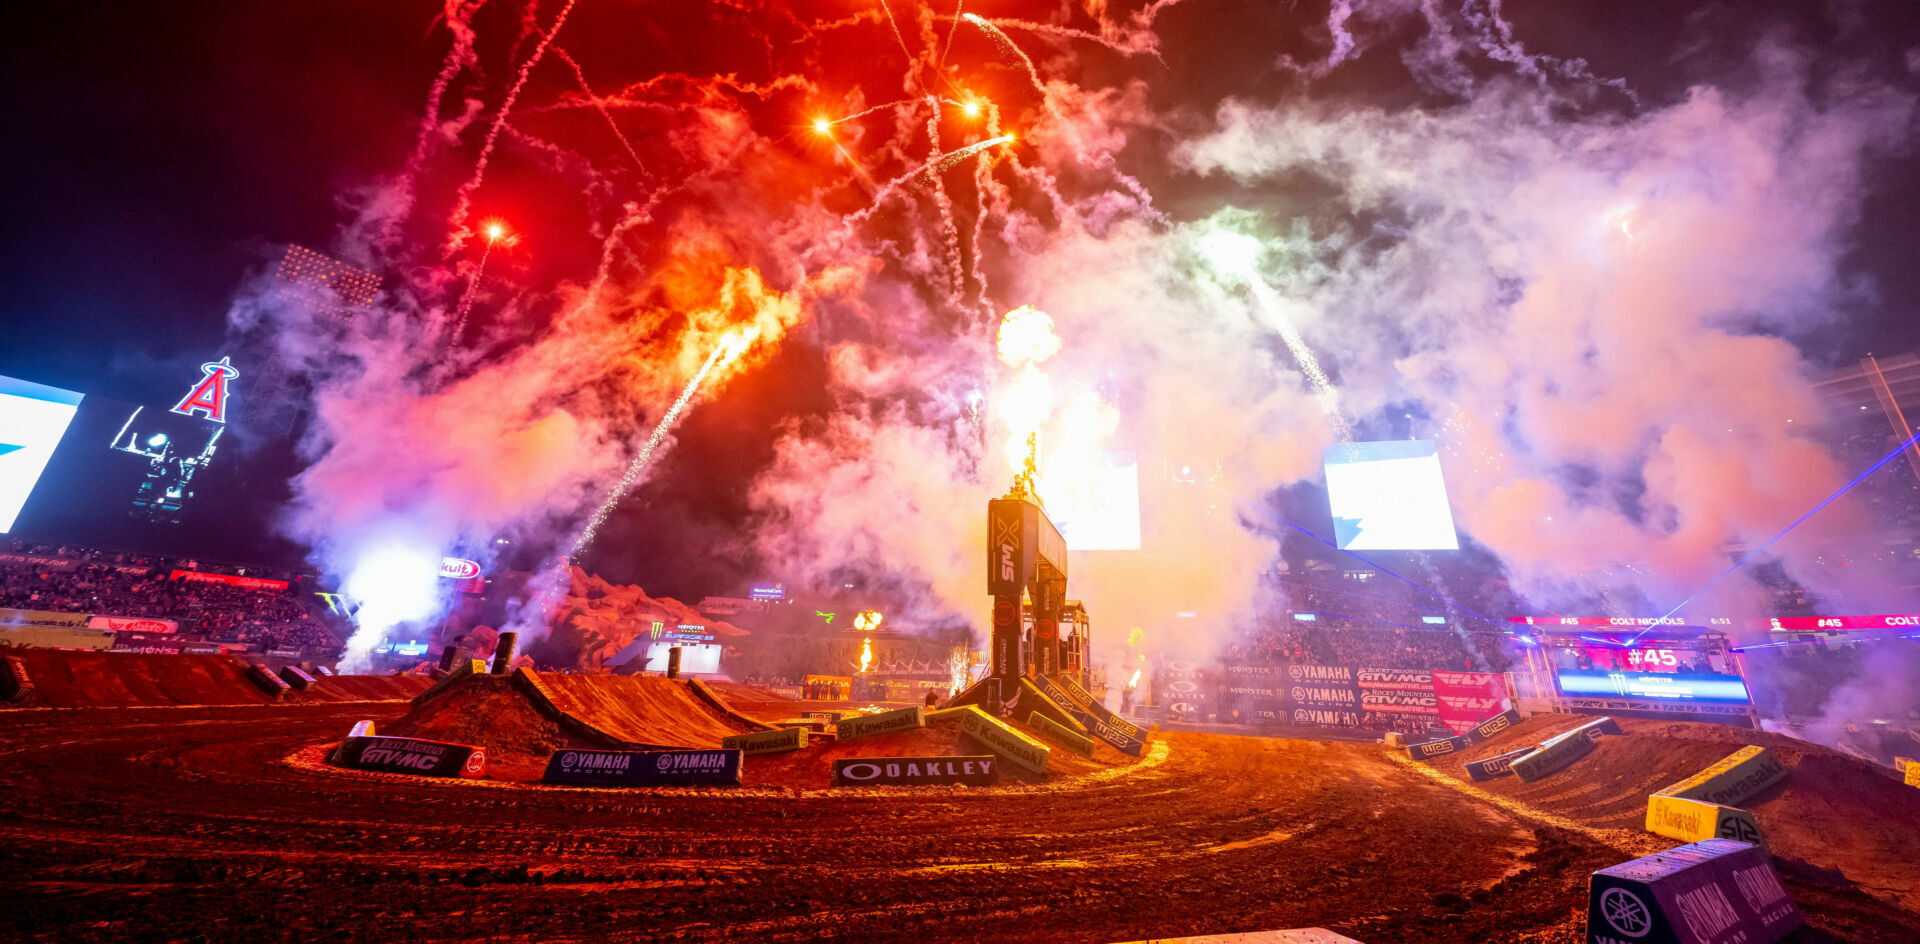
(191, 824)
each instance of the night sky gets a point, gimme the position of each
(160, 155)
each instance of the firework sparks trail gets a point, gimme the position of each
(460, 24)
(729, 347)
(600, 106)
(862, 114)
(1006, 45)
(466, 297)
(1323, 389)
(463, 200)
(958, 7)
(949, 230)
(940, 163)
(896, 31)
(1136, 48)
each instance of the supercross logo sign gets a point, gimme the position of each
(209, 396)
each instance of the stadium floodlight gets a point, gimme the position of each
(157, 440)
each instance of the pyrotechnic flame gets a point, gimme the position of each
(1026, 337)
(972, 109)
(867, 621)
(822, 126)
(1135, 681)
(866, 652)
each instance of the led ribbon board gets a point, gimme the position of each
(32, 420)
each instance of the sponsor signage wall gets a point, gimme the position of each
(886, 722)
(232, 580)
(644, 768)
(970, 770)
(1116, 732)
(13, 617)
(1344, 696)
(39, 562)
(133, 624)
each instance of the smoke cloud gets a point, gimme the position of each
(1596, 303)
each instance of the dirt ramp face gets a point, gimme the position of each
(1832, 812)
(490, 713)
(643, 710)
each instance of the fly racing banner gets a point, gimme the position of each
(398, 755)
(968, 770)
(644, 768)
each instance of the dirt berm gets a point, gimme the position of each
(64, 678)
(520, 728)
(1835, 818)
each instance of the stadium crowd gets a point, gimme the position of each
(120, 584)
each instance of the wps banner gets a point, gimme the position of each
(133, 624)
(232, 580)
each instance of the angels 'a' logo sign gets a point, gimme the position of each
(209, 396)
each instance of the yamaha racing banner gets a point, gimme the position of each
(644, 768)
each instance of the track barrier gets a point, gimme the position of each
(1121, 735)
(776, 741)
(1428, 750)
(1732, 779)
(1495, 767)
(1913, 775)
(999, 737)
(15, 683)
(1708, 892)
(268, 682)
(1556, 753)
(1694, 820)
(1071, 740)
(830, 717)
(886, 722)
(398, 755)
(296, 678)
(970, 770)
(644, 768)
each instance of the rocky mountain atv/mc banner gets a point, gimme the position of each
(398, 755)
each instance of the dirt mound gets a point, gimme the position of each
(646, 709)
(489, 712)
(64, 678)
(812, 768)
(1833, 812)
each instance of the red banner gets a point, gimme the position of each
(130, 624)
(1467, 698)
(251, 583)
